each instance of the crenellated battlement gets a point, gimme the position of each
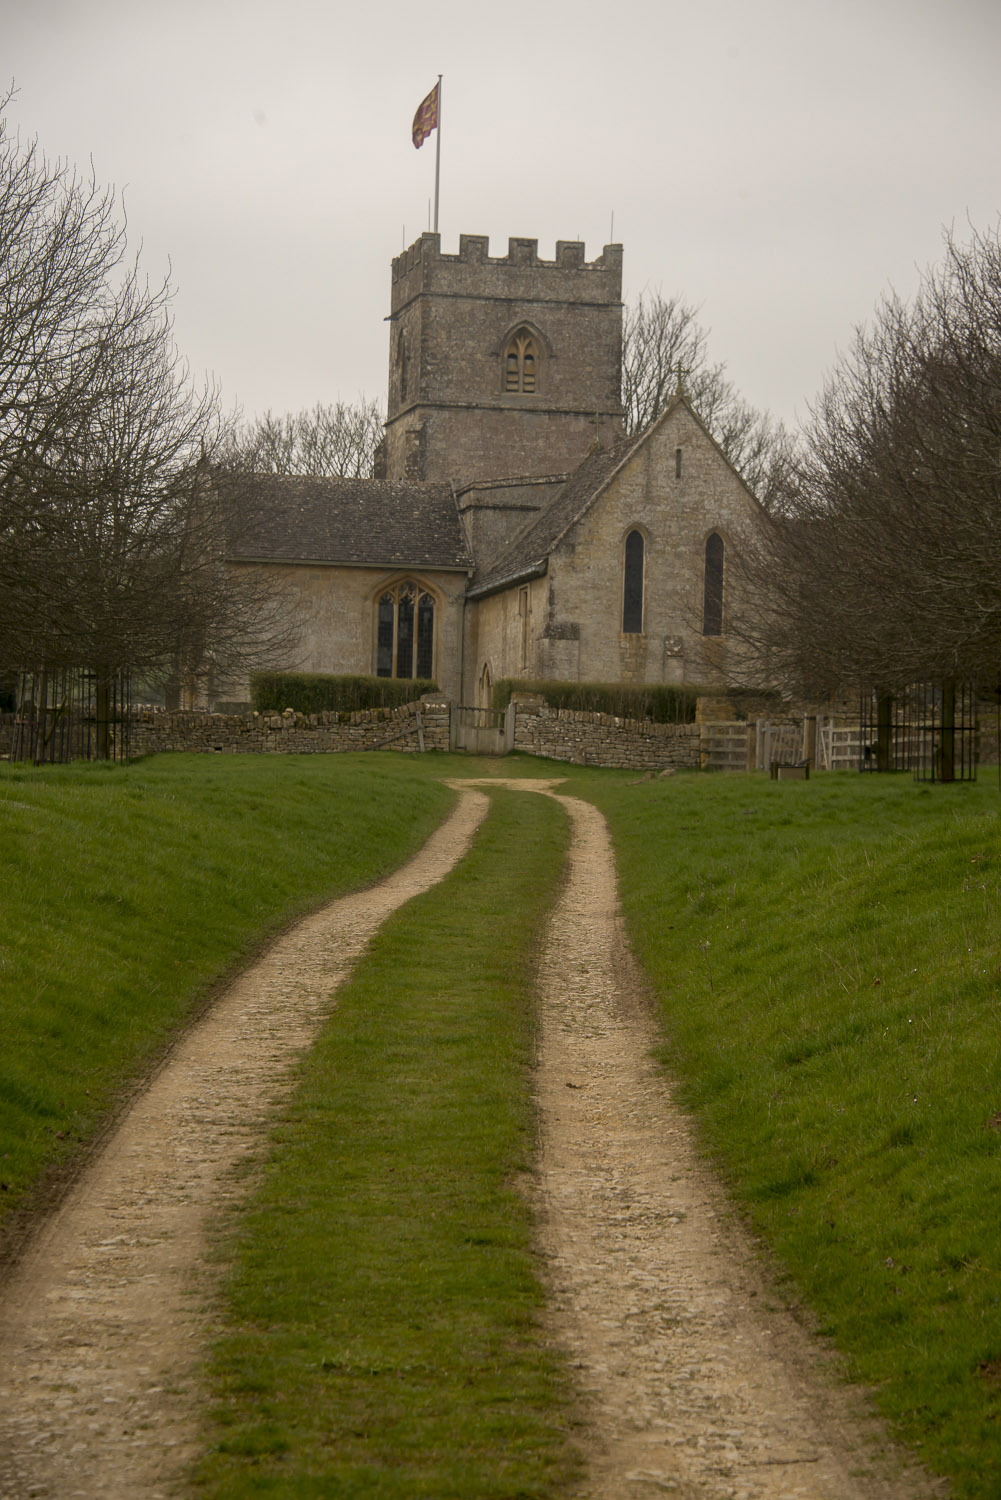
(474, 250)
(474, 271)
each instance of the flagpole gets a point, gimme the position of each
(437, 158)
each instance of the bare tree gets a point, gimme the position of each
(886, 567)
(328, 441)
(662, 342)
(111, 547)
(664, 346)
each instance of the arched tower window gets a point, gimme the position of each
(521, 363)
(405, 632)
(632, 585)
(712, 593)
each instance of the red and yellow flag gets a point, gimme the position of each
(426, 118)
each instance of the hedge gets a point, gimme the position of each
(316, 693)
(664, 705)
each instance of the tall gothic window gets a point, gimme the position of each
(405, 632)
(521, 363)
(632, 585)
(712, 593)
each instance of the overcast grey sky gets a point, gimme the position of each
(779, 163)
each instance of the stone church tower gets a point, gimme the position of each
(501, 366)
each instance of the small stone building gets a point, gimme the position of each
(512, 530)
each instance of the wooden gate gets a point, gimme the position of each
(480, 731)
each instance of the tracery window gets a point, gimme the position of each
(712, 593)
(521, 363)
(632, 585)
(405, 632)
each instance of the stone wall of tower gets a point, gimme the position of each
(449, 415)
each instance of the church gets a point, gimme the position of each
(511, 529)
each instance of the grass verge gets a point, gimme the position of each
(828, 957)
(381, 1312)
(129, 891)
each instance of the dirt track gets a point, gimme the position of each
(699, 1383)
(101, 1325)
(695, 1383)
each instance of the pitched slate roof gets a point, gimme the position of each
(280, 518)
(526, 556)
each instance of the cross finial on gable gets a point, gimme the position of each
(682, 372)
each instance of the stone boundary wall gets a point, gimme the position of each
(410, 728)
(595, 739)
(591, 739)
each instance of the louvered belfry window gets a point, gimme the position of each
(521, 360)
(405, 632)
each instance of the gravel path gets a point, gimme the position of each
(694, 1382)
(697, 1383)
(101, 1325)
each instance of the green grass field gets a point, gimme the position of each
(382, 1337)
(825, 959)
(129, 891)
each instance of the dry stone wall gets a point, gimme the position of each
(410, 728)
(592, 739)
(595, 739)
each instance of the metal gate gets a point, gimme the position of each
(481, 731)
(928, 728)
(66, 714)
(944, 731)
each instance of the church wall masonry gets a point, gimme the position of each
(675, 513)
(676, 489)
(335, 614)
(492, 511)
(504, 638)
